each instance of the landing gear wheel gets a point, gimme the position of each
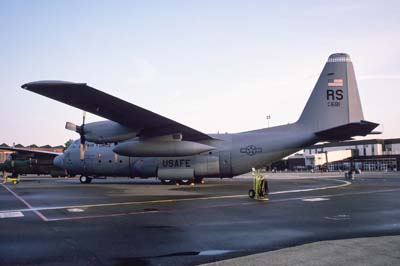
(85, 180)
(187, 181)
(252, 193)
(166, 181)
(198, 180)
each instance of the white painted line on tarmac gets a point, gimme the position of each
(315, 199)
(11, 215)
(339, 217)
(75, 210)
(30, 208)
(345, 183)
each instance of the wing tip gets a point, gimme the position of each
(48, 83)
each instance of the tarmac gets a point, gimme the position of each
(119, 221)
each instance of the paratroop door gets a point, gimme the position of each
(225, 167)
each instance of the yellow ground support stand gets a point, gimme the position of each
(258, 192)
(10, 179)
(14, 180)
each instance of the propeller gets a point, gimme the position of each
(81, 131)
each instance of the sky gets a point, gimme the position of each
(216, 66)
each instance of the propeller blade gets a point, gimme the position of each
(83, 118)
(82, 146)
(71, 126)
(83, 138)
(82, 151)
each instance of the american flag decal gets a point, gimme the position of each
(335, 82)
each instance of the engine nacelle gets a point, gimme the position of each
(160, 148)
(108, 132)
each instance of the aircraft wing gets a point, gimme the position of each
(84, 97)
(31, 152)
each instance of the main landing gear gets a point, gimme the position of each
(85, 179)
(186, 181)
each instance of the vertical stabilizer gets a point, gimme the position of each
(335, 100)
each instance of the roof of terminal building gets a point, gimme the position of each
(46, 146)
(32, 146)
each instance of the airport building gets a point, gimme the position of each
(4, 153)
(365, 155)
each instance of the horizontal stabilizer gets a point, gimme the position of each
(347, 131)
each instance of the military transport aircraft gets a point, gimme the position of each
(25, 161)
(136, 142)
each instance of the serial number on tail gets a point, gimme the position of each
(333, 104)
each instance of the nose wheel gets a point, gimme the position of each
(85, 179)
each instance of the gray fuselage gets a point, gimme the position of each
(235, 154)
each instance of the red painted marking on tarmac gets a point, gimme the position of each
(38, 213)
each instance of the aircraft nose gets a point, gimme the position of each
(59, 161)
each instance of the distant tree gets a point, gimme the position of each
(66, 144)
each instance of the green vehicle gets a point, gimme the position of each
(25, 162)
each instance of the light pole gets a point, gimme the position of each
(268, 118)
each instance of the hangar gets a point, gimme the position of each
(366, 155)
